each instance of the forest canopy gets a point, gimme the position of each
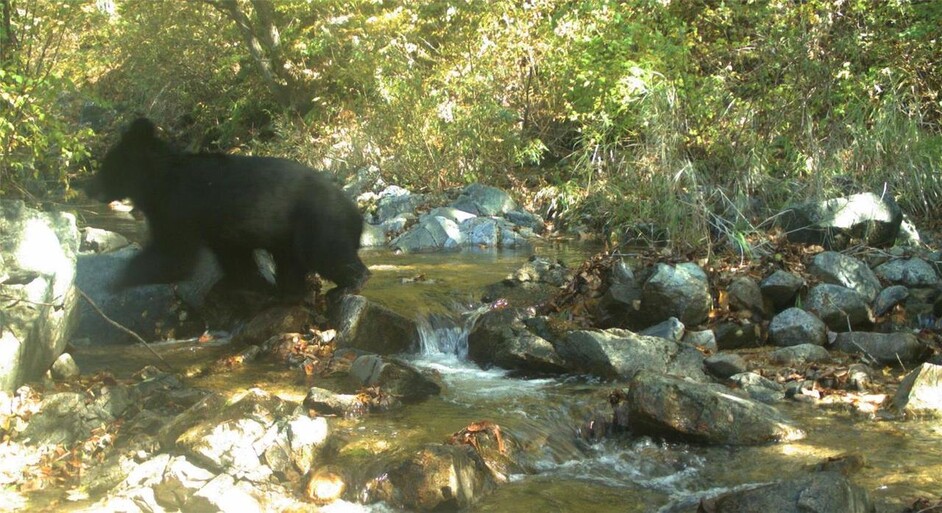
(603, 112)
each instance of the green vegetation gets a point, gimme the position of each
(685, 115)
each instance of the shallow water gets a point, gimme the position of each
(904, 459)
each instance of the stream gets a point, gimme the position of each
(625, 473)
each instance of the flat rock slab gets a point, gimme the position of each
(675, 408)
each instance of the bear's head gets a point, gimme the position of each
(128, 164)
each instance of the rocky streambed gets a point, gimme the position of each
(534, 376)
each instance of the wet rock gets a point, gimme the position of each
(795, 326)
(841, 308)
(499, 337)
(616, 353)
(888, 298)
(681, 291)
(839, 269)
(758, 387)
(37, 290)
(832, 223)
(272, 322)
(484, 200)
(735, 335)
(724, 365)
(395, 378)
(913, 272)
(671, 329)
(96, 240)
(745, 294)
(365, 325)
(675, 408)
(325, 486)
(883, 348)
(542, 270)
(820, 492)
(373, 236)
(327, 402)
(781, 288)
(920, 392)
(437, 478)
(799, 355)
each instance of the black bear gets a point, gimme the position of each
(231, 205)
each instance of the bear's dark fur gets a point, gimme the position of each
(231, 205)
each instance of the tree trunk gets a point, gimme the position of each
(263, 41)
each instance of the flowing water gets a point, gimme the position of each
(625, 474)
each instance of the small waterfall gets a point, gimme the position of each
(444, 335)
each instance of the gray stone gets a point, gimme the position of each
(883, 348)
(920, 392)
(37, 290)
(913, 272)
(431, 233)
(832, 223)
(96, 240)
(484, 200)
(681, 291)
(736, 335)
(724, 365)
(396, 378)
(671, 329)
(888, 298)
(365, 325)
(499, 337)
(795, 326)
(819, 492)
(704, 341)
(617, 353)
(758, 387)
(841, 308)
(526, 219)
(800, 355)
(745, 294)
(838, 269)
(672, 407)
(781, 288)
(65, 367)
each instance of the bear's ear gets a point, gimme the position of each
(141, 129)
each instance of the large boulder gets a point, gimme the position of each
(832, 223)
(363, 324)
(154, 312)
(676, 408)
(681, 291)
(499, 337)
(841, 309)
(795, 326)
(839, 269)
(620, 354)
(883, 348)
(484, 200)
(37, 290)
(920, 392)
